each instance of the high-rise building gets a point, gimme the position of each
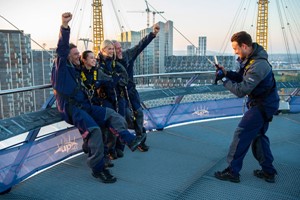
(152, 59)
(202, 44)
(21, 67)
(42, 62)
(191, 50)
(15, 72)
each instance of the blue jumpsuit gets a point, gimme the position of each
(255, 79)
(114, 90)
(129, 57)
(112, 93)
(73, 104)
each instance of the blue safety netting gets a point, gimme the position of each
(19, 162)
(162, 116)
(295, 104)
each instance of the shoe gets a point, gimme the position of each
(136, 142)
(112, 155)
(108, 163)
(226, 175)
(105, 176)
(85, 147)
(120, 153)
(143, 147)
(264, 175)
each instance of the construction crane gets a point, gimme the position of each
(262, 24)
(98, 32)
(148, 11)
(153, 13)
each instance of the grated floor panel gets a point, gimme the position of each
(179, 165)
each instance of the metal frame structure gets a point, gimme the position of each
(98, 30)
(262, 24)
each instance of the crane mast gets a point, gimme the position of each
(262, 24)
(148, 11)
(98, 32)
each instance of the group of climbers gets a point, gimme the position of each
(98, 96)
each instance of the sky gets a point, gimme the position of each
(217, 20)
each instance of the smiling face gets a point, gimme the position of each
(241, 43)
(88, 59)
(238, 50)
(74, 56)
(108, 51)
(118, 49)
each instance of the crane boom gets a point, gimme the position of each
(262, 24)
(98, 32)
(148, 13)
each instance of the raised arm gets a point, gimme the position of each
(131, 54)
(64, 36)
(58, 75)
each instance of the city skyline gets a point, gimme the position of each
(193, 18)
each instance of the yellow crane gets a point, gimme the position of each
(262, 24)
(98, 32)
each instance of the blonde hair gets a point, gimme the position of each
(105, 44)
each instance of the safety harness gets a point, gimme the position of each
(101, 92)
(89, 87)
(70, 98)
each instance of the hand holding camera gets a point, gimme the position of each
(220, 73)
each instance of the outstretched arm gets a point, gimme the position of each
(131, 54)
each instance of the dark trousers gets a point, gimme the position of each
(88, 123)
(251, 130)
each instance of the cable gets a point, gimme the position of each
(26, 35)
(173, 25)
(116, 14)
(284, 32)
(178, 31)
(229, 32)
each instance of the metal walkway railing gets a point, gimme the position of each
(43, 130)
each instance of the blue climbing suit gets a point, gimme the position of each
(74, 105)
(129, 57)
(255, 79)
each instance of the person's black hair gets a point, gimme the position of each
(85, 54)
(72, 46)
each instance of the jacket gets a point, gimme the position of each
(255, 79)
(65, 79)
(130, 55)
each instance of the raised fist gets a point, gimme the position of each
(66, 18)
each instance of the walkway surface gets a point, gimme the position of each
(179, 165)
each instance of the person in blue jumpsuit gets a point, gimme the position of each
(75, 107)
(113, 91)
(106, 81)
(92, 78)
(127, 59)
(253, 79)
